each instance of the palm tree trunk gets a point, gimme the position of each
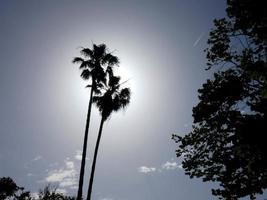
(94, 160)
(80, 189)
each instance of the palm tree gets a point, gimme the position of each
(93, 67)
(113, 99)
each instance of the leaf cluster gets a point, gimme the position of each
(227, 143)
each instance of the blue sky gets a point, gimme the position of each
(44, 101)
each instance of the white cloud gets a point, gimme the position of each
(57, 175)
(75, 187)
(69, 164)
(171, 165)
(68, 182)
(29, 174)
(55, 164)
(65, 176)
(34, 195)
(61, 190)
(78, 155)
(146, 170)
(28, 164)
(37, 158)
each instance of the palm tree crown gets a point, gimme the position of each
(113, 99)
(94, 62)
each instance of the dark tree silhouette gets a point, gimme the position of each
(93, 67)
(113, 99)
(50, 193)
(10, 190)
(227, 142)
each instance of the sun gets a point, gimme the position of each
(126, 74)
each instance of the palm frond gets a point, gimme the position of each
(77, 60)
(99, 74)
(98, 101)
(87, 64)
(86, 74)
(109, 71)
(110, 60)
(98, 89)
(112, 99)
(116, 103)
(113, 82)
(99, 51)
(87, 52)
(124, 97)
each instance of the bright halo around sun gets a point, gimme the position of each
(126, 75)
(129, 78)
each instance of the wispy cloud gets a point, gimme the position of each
(29, 174)
(37, 158)
(61, 190)
(65, 176)
(198, 39)
(33, 161)
(74, 187)
(34, 195)
(146, 170)
(78, 155)
(171, 166)
(168, 165)
(55, 164)
(69, 164)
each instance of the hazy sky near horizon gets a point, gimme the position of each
(44, 101)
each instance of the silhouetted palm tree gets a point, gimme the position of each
(113, 99)
(93, 67)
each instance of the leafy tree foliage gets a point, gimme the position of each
(10, 190)
(50, 193)
(227, 142)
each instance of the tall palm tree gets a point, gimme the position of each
(113, 99)
(93, 66)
